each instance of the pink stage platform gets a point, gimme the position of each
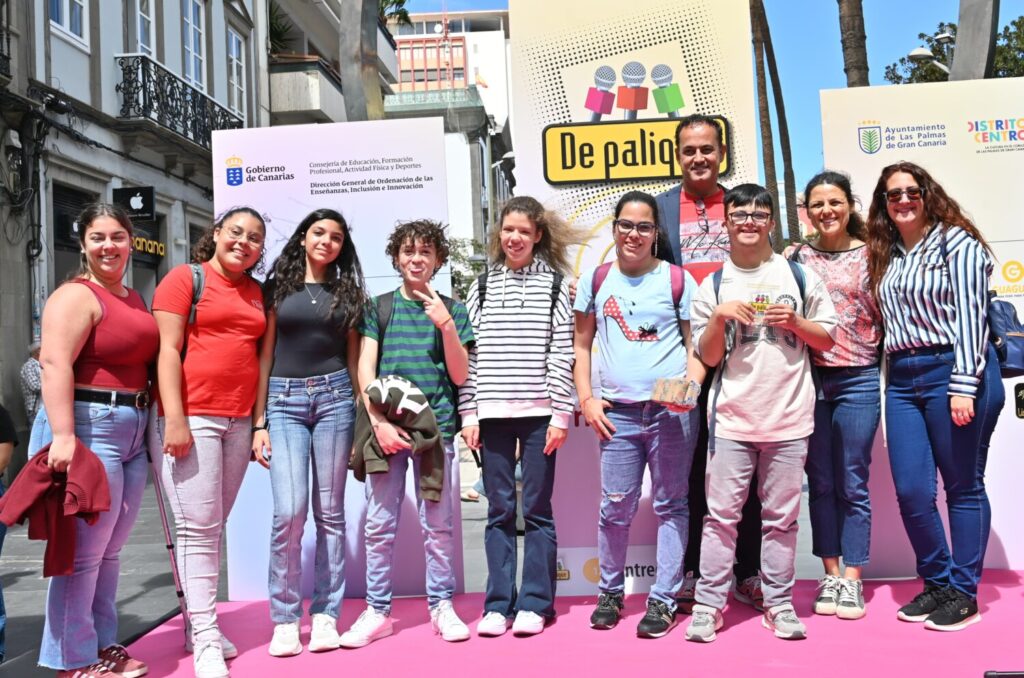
(878, 646)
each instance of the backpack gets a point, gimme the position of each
(675, 273)
(556, 285)
(198, 284)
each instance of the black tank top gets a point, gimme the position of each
(308, 342)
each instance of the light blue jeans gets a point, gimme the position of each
(385, 493)
(81, 608)
(311, 423)
(646, 434)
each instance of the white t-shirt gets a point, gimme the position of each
(765, 392)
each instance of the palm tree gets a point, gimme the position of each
(764, 117)
(394, 9)
(854, 41)
(358, 68)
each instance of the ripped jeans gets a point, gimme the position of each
(646, 434)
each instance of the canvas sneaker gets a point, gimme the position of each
(851, 599)
(704, 624)
(828, 595)
(97, 670)
(782, 620)
(606, 614)
(208, 661)
(923, 604)
(446, 623)
(749, 592)
(372, 625)
(685, 596)
(116, 658)
(528, 623)
(493, 624)
(658, 621)
(285, 642)
(956, 612)
(227, 648)
(324, 634)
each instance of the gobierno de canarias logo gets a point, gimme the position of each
(627, 150)
(237, 174)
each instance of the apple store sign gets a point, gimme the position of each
(138, 201)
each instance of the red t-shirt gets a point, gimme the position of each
(221, 366)
(703, 240)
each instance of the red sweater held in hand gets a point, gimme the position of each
(50, 501)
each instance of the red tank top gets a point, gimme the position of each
(121, 346)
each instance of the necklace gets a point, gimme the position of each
(313, 299)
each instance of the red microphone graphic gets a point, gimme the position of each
(667, 97)
(600, 98)
(633, 97)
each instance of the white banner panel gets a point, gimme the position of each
(377, 174)
(694, 57)
(970, 136)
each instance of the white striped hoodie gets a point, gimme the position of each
(521, 362)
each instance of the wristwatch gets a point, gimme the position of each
(264, 427)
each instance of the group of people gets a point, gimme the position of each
(298, 374)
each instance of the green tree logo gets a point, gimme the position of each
(870, 138)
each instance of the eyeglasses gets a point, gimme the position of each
(254, 239)
(702, 215)
(644, 228)
(913, 194)
(759, 218)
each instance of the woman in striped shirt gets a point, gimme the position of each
(519, 395)
(929, 269)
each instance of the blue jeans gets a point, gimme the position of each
(923, 437)
(499, 438)
(311, 421)
(385, 493)
(646, 433)
(838, 458)
(81, 611)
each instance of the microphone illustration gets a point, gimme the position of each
(667, 97)
(600, 98)
(633, 97)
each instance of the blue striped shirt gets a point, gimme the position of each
(928, 302)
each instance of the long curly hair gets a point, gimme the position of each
(556, 235)
(89, 214)
(855, 227)
(344, 275)
(424, 230)
(205, 248)
(939, 209)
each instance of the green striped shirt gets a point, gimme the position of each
(408, 343)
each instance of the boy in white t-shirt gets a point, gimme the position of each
(756, 318)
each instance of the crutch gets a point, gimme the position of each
(168, 541)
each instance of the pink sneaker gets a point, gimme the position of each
(117, 659)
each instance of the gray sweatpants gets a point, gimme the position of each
(780, 474)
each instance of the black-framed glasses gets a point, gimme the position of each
(759, 218)
(644, 228)
(913, 194)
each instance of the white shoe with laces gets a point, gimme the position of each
(493, 624)
(227, 648)
(372, 625)
(324, 635)
(285, 642)
(446, 623)
(528, 624)
(208, 661)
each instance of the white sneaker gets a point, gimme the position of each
(324, 636)
(285, 642)
(493, 624)
(227, 648)
(528, 624)
(371, 625)
(447, 624)
(208, 661)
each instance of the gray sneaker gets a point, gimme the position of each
(851, 599)
(782, 620)
(703, 624)
(828, 595)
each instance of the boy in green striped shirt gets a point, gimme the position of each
(425, 341)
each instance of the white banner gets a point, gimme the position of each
(377, 174)
(970, 136)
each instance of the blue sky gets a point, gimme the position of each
(805, 34)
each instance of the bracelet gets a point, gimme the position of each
(584, 401)
(450, 319)
(263, 427)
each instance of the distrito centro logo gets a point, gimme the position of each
(869, 136)
(235, 174)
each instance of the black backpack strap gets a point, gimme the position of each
(716, 279)
(556, 287)
(198, 285)
(438, 355)
(801, 282)
(385, 307)
(481, 290)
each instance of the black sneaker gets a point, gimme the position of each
(609, 608)
(923, 604)
(658, 621)
(957, 611)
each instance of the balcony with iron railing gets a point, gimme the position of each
(151, 92)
